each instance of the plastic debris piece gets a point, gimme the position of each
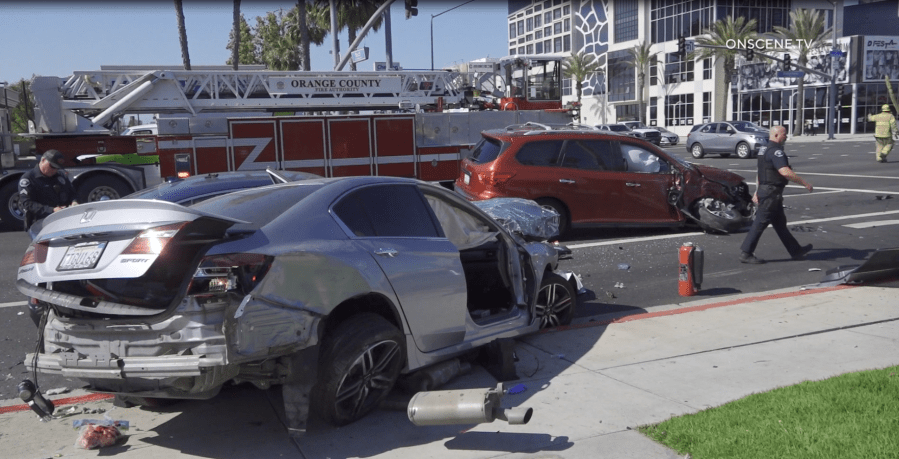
(57, 391)
(517, 389)
(610, 294)
(20, 313)
(120, 424)
(624, 266)
(94, 436)
(619, 284)
(559, 356)
(814, 269)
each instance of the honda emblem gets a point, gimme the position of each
(86, 218)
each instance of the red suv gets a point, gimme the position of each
(596, 179)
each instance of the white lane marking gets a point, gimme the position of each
(872, 224)
(816, 193)
(13, 304)
(694, 234)
(803, 173)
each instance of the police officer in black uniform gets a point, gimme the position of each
(45, 189)
(774, 172)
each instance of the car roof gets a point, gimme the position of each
(178, 190)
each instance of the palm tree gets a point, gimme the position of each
(807, 29)
(235, 31)
(642, 56)
(580, 67)
(182, 34)
(722, 32)
(353, 15)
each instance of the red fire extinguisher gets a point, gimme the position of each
(689, 277)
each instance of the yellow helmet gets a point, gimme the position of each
(885, 108)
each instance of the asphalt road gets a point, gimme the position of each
(853, 212)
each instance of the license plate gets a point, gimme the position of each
(466, 178)
(82, 256)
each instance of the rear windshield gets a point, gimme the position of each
(486, 151)
(258, 206)
(618, 128)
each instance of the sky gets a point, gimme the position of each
(59, 37)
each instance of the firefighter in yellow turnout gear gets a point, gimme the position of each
(884, 131)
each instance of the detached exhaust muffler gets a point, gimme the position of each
(467, 406)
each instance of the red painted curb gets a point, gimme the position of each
(59, 402)
(673, 312)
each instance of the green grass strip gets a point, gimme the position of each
(855, 415)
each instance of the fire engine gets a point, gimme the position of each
(404, 123)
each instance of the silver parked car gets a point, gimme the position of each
(742, 138)
(338, 285)
(668, 138)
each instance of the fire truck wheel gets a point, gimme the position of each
(11, 218)
(102, 188)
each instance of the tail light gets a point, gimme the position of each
(494, 178)
(153, 240)
(239, 272)
(35, 253)
(182, 165)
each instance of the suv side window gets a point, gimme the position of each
(387, 211)
(710, 129)
(539, 153)
(591, 155)
(642, 160)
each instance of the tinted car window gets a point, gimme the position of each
(710, 128)
(387, 211)
(487, 150)
(591, 155)
(542, 153)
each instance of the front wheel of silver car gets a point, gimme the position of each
(743, 151)
(696, 150)
(359, 363)
(555, 301)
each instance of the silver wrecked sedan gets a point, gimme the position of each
(330, 287)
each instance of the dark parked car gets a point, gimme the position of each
(199, 188)
(742, 138)
(596, 179)
(337, 285)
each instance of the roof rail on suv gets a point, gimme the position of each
(533, 128)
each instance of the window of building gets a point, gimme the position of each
(557, 28)
(521, 50)
(521, 40)
(538, 34)
(706, 106)
(538, 8)
(557, 13)
(529, 24)
(548, 4)
(520, 27)
(566, 43)
(537, 22)
(512, 31)
(547, 46)
(622, 77)
(626, 20)
(529, 37)
(677, 70)
(567, 87)
(530, 49)
(548, 31)
(557, 45)
(767, 14)
(653, 111)
(511, 51)
(670, 19)
(627, 112)
(538, 47)
(566, 27)
(547, 17)
(707, 69)
(566, 10)
(679, 110)
(654, 70)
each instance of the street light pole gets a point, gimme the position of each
(432, 28)
(831, 107)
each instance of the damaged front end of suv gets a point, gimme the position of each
(714, 199)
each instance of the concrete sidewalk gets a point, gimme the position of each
(589, 384)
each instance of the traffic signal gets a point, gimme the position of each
(750, 54)
(411, 8)
(681, 46)
(788, 62)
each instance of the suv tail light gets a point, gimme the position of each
(35, 253)
(494, 178)
(152, 241)
(239, 272)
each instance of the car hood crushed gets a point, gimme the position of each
(723, 177)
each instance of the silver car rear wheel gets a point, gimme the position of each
(696, 150)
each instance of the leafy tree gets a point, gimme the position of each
(580, 67)
(21, 114)
(182, 34)
(246, 46)
(641, 57)
(277, 37)
(808, 26)
(722, 32)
